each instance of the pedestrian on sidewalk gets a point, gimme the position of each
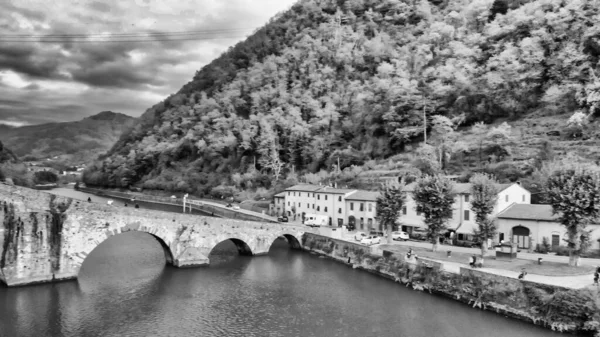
(596, 276)
(472, 261)
(522, 275)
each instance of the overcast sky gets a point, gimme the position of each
(66, 80)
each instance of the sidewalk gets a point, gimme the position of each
(574, 282)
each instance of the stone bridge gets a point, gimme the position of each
(46, 238)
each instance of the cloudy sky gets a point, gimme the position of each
(59, 60)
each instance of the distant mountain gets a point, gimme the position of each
(78, 141)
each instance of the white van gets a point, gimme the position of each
(314, 220)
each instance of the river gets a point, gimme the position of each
(125, 289)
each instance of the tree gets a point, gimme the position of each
(484, 196)
(389, 205)
(574, 194)
(546, 153)
(434, 197)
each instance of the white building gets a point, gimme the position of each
(361, 210)
(300, 199)
(463, 218)
(279, 204)
(528, 225)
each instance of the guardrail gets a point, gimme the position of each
(214, 209)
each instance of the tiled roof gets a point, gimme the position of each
(363, 195)
(528, 212)
(280, 195)
(304, 188)
(327, 189)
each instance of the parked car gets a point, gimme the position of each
(400, 235)
(359, 236)
(236, 207)
(371, 240)
(419, 234)
(282, 218)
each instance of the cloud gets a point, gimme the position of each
(63, 78)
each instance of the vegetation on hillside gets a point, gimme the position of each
(349, 81)
(74, 142)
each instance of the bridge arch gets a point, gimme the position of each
(157, 233)
(292, 240)
(242, 247)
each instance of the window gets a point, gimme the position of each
(313, 206)
(362, 206)
(404, 210)
(351, 206)
(362, 221)
(370, 222)
(325, 196)
(307, 205)
(340, 198)
(466, 198)
(467, 215)
(294, 193)
(339, 210)
(318, 208)
(318, 197)
(289, 194)
(299, 194)
(506, 198)
(370, 207)
(325, 208)
(523, 197)
(288, 203)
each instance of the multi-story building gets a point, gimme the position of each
(361, 210)
(332, 203)
(300, 199)
(463, 218)
(279, 204)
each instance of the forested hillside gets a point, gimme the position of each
(74, 142)
(350, 80)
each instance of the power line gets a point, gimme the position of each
(140, 34)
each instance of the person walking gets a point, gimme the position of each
(522, 275)
(89, 199)
(596, 276)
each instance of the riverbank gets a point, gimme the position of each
(554, 307)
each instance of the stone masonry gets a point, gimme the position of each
(46, 238)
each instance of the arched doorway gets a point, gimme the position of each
(351, 222)
(520, 235)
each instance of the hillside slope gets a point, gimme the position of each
(350, 80)
(79, 141)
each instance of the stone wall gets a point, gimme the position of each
(45, 238)
(557, 308)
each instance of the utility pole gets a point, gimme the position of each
(425, 123)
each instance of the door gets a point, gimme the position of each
(555, 242)
(521, 237)
(340, 222)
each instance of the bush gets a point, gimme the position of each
(562, 251)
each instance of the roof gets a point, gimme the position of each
(304, 188)
(459, 188)
(363, 195)
(528, 212)
(279, 195)
(327, 189)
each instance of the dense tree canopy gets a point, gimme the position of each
(352, 79)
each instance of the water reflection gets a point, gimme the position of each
(125, 289)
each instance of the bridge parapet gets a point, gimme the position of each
(46, 238)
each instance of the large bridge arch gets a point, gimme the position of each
(158, 233)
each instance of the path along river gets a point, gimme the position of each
(125, 289)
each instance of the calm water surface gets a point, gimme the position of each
(125, 289)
